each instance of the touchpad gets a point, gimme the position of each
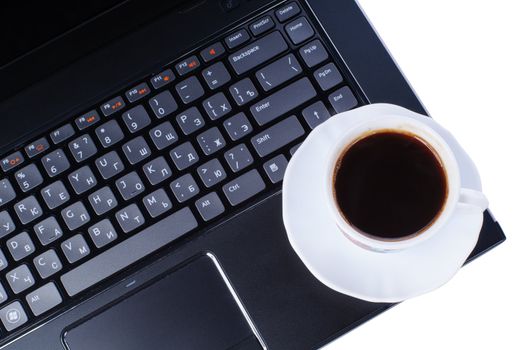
(189, 308)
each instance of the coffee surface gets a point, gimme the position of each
(390, 185)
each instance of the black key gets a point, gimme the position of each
(211, 141)
(55, 194)
(184, 156)
(243, 92)
(258, 52)
(129, 251)
(238, 126)
(112, 106)
(189, 90)
(211, 173)
(28, 210)
(136, 150)
(237, 38)
(262, 25)
(275, 168)
(11, 161)
(162, 79)
(157, 170)
(82, 179)
(28, 177)
(136, 119)
(238, 158)
(61, 134)
(211, 52)
(283, 101)
(130, 185)
(210, 206)
(217, 106)
(316, 114)
(137, 92)
(288, 11)
(109, 133)
(244, 187)
(313, 53)
(277, 136)
(184, 188)
(328, 76)
(109, 165)
(343, 100)
(187, 65)
(7, 192)
(130, 218)
(190, 121)
(163, 135)
(37, 147)
(299, 30)
(278, 72)
(55, 162)
(82, 148)
(163, 104)
(87, 119)
(216, 75)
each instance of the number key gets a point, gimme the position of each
(109, 133)
(7, 192)
(82, 148)
(28, 177)
(55, 162)
(136, 119)
(163, 104)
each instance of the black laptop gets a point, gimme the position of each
(143, 146)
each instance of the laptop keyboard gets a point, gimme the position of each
(170, 154)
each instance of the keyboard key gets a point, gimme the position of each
(28, 177)
(210, 206)
(6, 224)
(211, 141)
(48, 230)
(13, 316)
(262, 25)
(184, 156)
(129, 251)
(109, 133)
(7, 192)
(130, 218)
(294, 149)
(55, 194)
(163, 135)
(238, 126)
(47, 264)
(3, 261)
(163, 104)
(20, 246)
(20, 279)
(187, 65)
(55, 163)
(243, 92)
(82, 148)
(212, 52)
(75, 215)
(190, 121)
(288, 11)
(343, 100)
(189, 90)
(138, 92)
(258, 52)
(43, 299)
(244, 187)
(278, 72)
(102, 200)
(299, 30)
(313, 53)
(3, 294)
(62, 134)
(238, 158)
(237, 38)
(316, 114)
(211, 173)
(11, 161)
(157, 203)
(28, 210)
(136, 119)
(112, 106)
(102, 233)
(275, 168)
(37, 147)
(283, 101)
(184, 188)
(136, 150)
(157, 170)
(328, 76)
(217, 106)
(162, 79)
(75, 248)
(87, 119)
(216, 75)
(130, 185)
(277, 136)
(82, 179)
(109, 165)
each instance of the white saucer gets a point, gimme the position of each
(347, 268)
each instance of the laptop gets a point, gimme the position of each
(143, 146)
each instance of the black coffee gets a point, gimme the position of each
(390, 185)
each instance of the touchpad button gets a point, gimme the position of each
(190, 308)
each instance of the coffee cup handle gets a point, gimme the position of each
(473, 198)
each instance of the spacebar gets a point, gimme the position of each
(128, 251)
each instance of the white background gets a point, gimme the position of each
(467, 61)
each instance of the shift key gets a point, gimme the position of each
(277, 136)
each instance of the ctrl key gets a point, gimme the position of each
(13, 316)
